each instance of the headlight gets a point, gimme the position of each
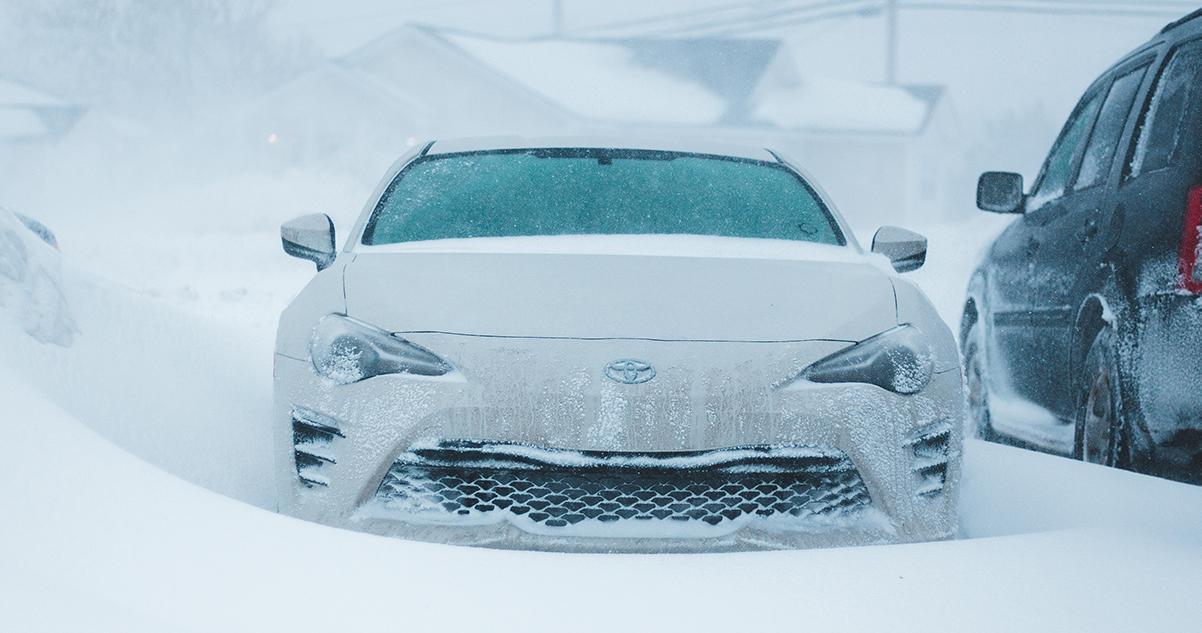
(346, 351)
(898, 360)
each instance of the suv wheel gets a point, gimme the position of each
(1100, 430)
(978, 391)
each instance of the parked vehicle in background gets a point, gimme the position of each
(31, 289)
(606, 346)
(1082, 330)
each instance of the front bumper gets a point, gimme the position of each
(812, 466)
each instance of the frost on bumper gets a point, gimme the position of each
(620, 494)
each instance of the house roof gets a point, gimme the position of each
(18, 123)
(13, 93)
(30, 114)
(830, 104)
(706, 81)
(598, 79)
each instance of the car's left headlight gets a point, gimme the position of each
(345, 351)
(899, 360)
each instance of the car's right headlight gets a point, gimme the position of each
(899, 360)
(345, 351)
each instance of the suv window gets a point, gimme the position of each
(1104, 140)
(1159, 129)
(1058, 168)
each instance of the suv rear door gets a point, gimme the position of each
(1164, 164)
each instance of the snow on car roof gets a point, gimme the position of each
(687, 145)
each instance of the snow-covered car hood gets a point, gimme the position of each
(650, 287)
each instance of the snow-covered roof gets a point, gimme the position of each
(710, 81)
(464, 80)
(29, 114)
(16, 94)
(835, 104)
(21, 123)
(601, 80)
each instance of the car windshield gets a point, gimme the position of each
(597, 192)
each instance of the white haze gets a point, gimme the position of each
(167, 198)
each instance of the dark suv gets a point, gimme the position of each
(1082, 330)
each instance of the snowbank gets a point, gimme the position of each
(182, 392)
(128, 547)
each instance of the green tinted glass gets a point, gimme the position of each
(597, 192)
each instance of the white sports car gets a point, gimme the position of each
(613, 346)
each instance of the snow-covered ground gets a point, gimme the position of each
(97, 539)
(136, 480)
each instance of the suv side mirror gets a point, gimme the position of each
(1000, 192)
(310, 237)
(907, 250)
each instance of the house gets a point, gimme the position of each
(879, 150)
(28, 115)
(362, 110)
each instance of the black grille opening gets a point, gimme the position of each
(547, 489)
(313, 438)
(929, 446)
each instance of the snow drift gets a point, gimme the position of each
(127, 544)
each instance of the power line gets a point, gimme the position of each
(770, 19)
(737, 31)
(1047, 8)
(669, 17)
(810, 9)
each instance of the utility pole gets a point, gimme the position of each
(891, 41)
(557, 18)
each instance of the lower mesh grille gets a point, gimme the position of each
(555, 490)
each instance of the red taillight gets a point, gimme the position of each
(1188, 271)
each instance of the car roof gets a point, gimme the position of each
(664, 144)
(1186, 20)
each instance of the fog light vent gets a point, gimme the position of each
(313, 441)
(929, 447)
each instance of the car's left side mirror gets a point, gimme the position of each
(905, 249)
(1000, 192)
(310, 237)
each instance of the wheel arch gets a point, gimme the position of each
(1094, 314)
(972, 311)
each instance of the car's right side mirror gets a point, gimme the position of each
(1000, 192)
(905, 249)
(310, 237)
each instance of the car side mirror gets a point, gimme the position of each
(310, 237)
(1000, 192)
(905, 249)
